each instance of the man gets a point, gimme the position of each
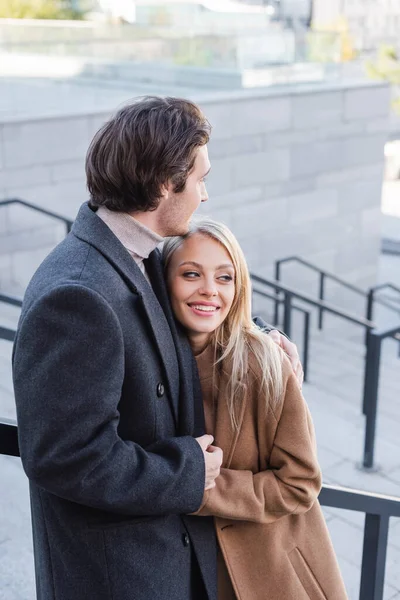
(110, 418)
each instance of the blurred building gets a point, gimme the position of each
(371, 22)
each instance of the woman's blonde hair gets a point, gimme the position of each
(237, 337)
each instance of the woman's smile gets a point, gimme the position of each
(204, 309)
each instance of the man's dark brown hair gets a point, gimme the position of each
(145, 145)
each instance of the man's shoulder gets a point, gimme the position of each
(72, 262)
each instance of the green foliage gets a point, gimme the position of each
(323, 46)
(192, 52)
(386, 67)
(37, 9)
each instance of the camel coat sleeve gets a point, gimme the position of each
(291, 479)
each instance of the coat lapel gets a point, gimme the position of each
(91, 229)
(191, 412)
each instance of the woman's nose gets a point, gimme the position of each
(208, 289)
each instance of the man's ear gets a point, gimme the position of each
(166, 189)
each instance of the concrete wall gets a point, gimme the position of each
(301, 174)
(294, 171)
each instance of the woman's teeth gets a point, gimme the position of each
(205, 308)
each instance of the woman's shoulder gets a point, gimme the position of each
(257, 369)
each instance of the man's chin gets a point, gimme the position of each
(179, 231)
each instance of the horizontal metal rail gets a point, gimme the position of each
(383, 286)
(7, 334)
(360, 501)
(378, 509)
(323, 275)
(278, 286)
(11, 300)
(67, 222)
(346, 284)
(9, 437)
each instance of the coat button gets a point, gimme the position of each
(185, 540)
(160, 390)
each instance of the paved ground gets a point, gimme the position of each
(334, 396)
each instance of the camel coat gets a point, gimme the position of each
(269, 524)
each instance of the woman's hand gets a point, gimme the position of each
(291, 351)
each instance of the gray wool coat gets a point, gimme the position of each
(108, 405)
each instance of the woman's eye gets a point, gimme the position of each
(226, 277)
(190, 274)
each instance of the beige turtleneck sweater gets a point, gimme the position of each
(138, 239)
(209, 385)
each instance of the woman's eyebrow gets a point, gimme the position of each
(190, 262)
(199, 266)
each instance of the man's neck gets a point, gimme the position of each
(149, 220)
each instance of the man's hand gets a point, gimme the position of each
(212, 458)
(291, 350)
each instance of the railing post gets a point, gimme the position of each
(374, 557)
(369, 311)
(321, 297)
(287, 314)
(370, 400)
(277, 277)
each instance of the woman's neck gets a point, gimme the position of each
(198, 341)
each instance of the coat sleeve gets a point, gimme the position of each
(291, 483)
(266, 327)
(68, 369)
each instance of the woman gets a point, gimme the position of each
(273, 540)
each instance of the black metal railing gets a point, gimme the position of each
(372, 299)
(306, 327)
(13, 300)
(377, 508)
(9, 437)
(371, 388)
(5, 332)
(372, 361)
(289, 294)
(10, 201)
(369, 296)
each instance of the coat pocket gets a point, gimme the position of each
(306, 576)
